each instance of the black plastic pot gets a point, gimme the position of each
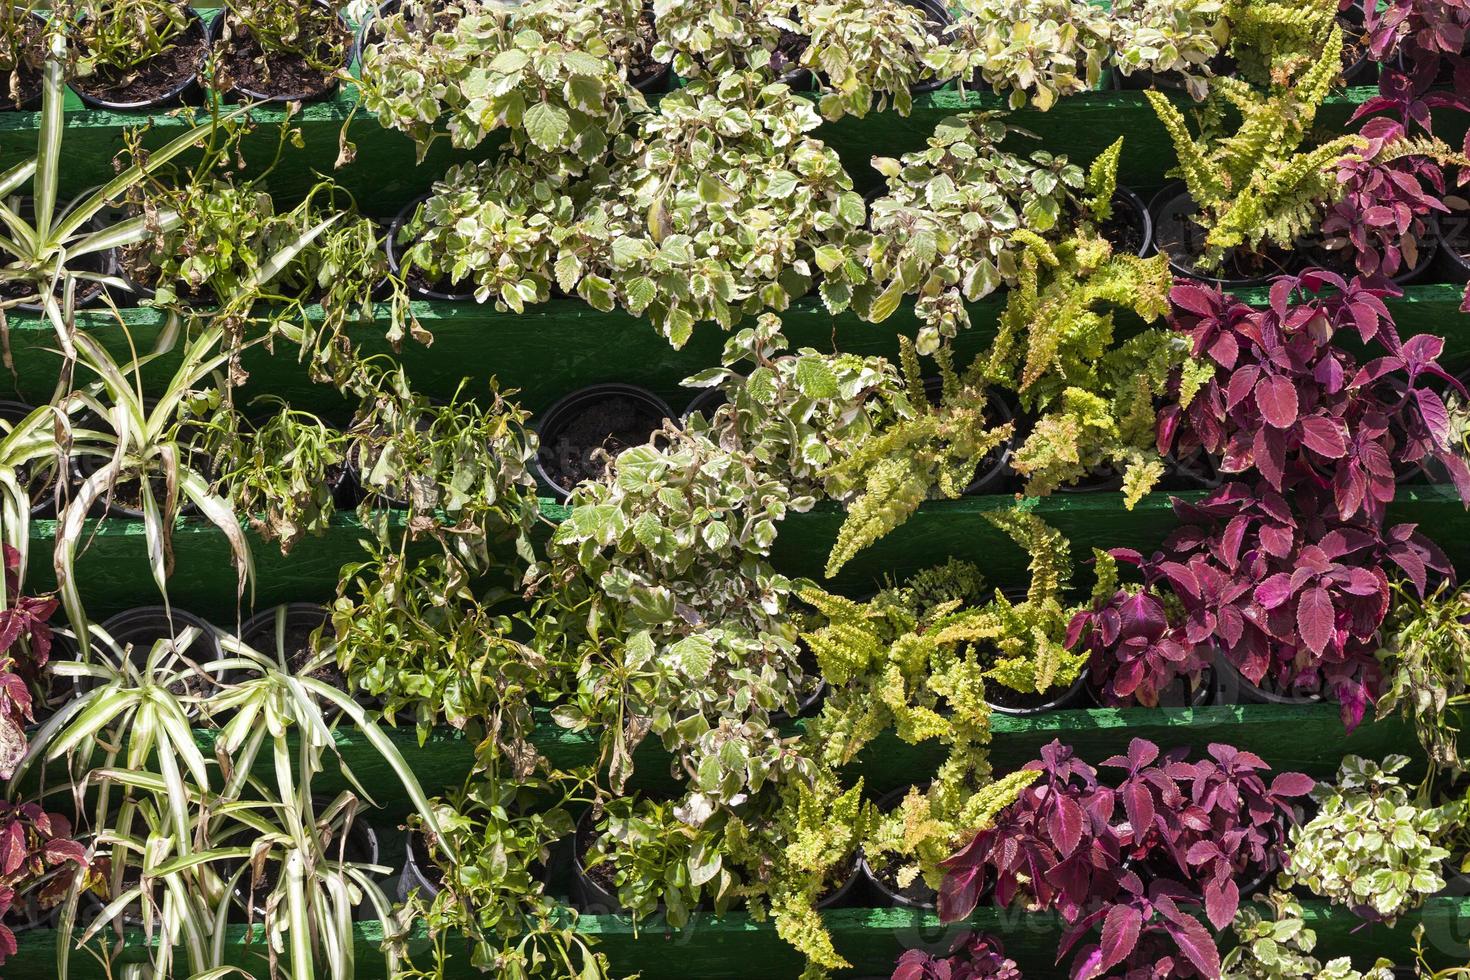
(588, 895)
(361, 847)
(260, 630)
(1044, 702)
(88, 293)
(937, 13)
(996, 466)
(1173, 207)
(419, 872)
(1360, 71)
(805, 707)
(1197, 470)
(26, 915)
(143, 626)
(440, 291)
(1452, 258)
(879, 893)
(185, 89)
(657, 79)
(555, 420)
(1337, 260)
(1239, 690)
(349, 51)
(1221, 64)
(705, 403)
(1125, 200)
(1101, 479)
(846, 893)
(1177, 695)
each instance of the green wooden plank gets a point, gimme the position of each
(114, 573)
(386, 174)
(737, 947)
(559, 346)
(1293, 738)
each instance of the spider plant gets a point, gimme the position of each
(145, 442)
(40, 252)
(38, 441)
(180, 813)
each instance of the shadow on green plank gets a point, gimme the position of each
(386, 174)
(737, 947)
(114, 574)
(559, 346)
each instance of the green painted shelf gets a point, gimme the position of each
(1293, 738)
(562, 345)
(115, 576)
(736, 947)
(386, 173)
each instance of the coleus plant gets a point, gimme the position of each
(1291, 596)
(1289, 402)
(1427, 38)
(1036, 50)
(1055, 847)
(1192, 828)
(971, 956)
(39, 857)
(1134, 650)
(25, 648)
(1210, 824)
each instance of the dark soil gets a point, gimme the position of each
(420, 283)
(917, 892)
(257, 890)
(644, 73)
(27, 76)
(157, 78)
(1182, 239)
(1180, 695)
(298, 650)
(1124, 227)
(280, 75)
(87, 291)
(569, 454)
(1354, 40)
(786, 59)
(602, 874)
(1195, 471)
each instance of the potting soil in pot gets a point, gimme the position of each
(611, 424)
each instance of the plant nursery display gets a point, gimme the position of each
(734, 488)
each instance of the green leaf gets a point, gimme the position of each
(815, 378)
(695, 656)
(548, 126)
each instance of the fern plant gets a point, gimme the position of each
(928, 447)
(906, 661)
(1256, 186)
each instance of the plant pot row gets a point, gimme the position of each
(1130, 229)
(1443, 257)
(136, 631)
(178, 75)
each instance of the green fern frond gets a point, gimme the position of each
(1102, 181)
